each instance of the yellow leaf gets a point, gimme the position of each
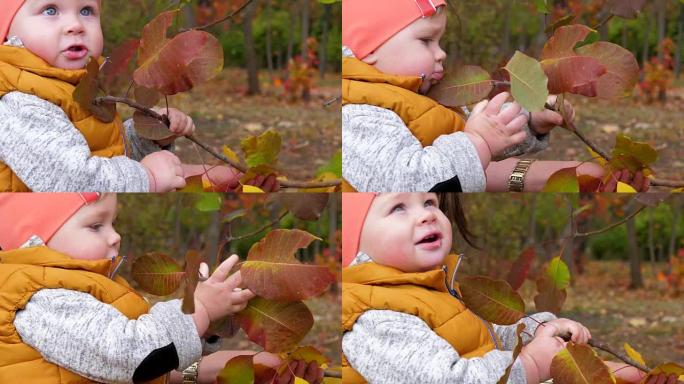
(230, 154)
(251, 189)
(634, 355)
(596, 157)
(625, 188)
(299, 380)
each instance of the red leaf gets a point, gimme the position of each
(157, 273)
(521, 267)
(119, 61)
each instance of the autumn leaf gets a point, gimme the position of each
(272, 271)
(238, 370)
(564, 180)
(493, 300)
(549, 298)
(118, 62)
(634, 355)
(150, 128)
(521, 267)
(262, 149)
(558, 272)
(632, 155)
(516, 351)
(622, 69)
(528, 82)
(567, 70)
(467, 85)
(157, 273)
(275, 325)
(309, 354)
(628, 9)
(192, 263)
(86, 91)
(579, 364)
(668, 369)
(307, 206)
(176, 65)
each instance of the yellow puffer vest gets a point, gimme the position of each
(22, 71)
(371, 286)
(25, 271)
(424, 117)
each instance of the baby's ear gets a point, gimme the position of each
(371, 59)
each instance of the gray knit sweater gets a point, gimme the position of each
(46, 151)
(380, 154)
(393, 347)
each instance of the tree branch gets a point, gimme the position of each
(611, 226)
(619, 355)
(240, 167)
(226, 18)
(256, 232)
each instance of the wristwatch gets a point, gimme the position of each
(516, 182)
(190, 373)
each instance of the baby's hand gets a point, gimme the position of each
(543, 122)
(566, 327)
(164, 171)
(181, 124)
(497, 128)
(220, 294)
(538, 354)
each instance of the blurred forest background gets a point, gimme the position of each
(626, 258)
(488, 32)
(282, 63)
(221, 225)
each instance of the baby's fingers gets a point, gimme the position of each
(496, 103)
(223, 269)
(509, 112)
(479, 107)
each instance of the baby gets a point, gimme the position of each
(401, 321)
(65, 316)
(48, 141)
(396, 139)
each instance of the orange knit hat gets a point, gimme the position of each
(367, 24)
(355, 206)
(25, 215)
(10, 8)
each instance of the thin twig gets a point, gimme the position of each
(240, 167)
(604, 21)
(621, 356)
(611, 226)
(226, 18)
(256, 232)
(331, 101)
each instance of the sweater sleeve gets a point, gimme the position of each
(379, 153)
(139, 146)
(507, 332)
(76, 331)
(46, 151)
(393, 347)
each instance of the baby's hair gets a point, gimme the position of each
(450, 204)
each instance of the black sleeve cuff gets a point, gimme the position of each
(157, 363)
(451, 185)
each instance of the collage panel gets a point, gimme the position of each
(500, 288)
(553, 96)
(207, 288)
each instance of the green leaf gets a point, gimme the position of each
(558, 272)
(564, 181)
(275, 325)
(579, 364)
(542, 6)
(333, 166)
(209, 202)
(262, 149)
(493, 300)
(528, 82)
(467, 85)
(632, 155)
(272, 271)
(157, 273)
(238, 370)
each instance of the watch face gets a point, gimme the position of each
(516, 179)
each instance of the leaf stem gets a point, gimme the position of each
(604, 21)
(256, 232)
(611, 226)
(240, 167)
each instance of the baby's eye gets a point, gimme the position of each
(397, 208)
(430, 203)
(50, 10)
(95, 227)
(87, 11)
(426, 40)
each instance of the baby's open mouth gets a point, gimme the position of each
(76, 52)
(430, 238)
(76, 48)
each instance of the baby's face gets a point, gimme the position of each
(64, 33)
(89, 234)
(406, 231)
(414, 51)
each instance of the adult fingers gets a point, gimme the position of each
(269, 183)
(299, 368)
(314, 373)
(626, 177)
(221, 273)
(638, 181)
(496, 103)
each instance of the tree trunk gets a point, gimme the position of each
(680, 41)
(651, 241)
(306, 12)
(569, 246)
(250, 51)
(661, 26)
(213, 232)
(323, 48)
(647, 35)
(676, 215)
(636, 281)
(269, 37)
(506, 46)
(291, 33)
